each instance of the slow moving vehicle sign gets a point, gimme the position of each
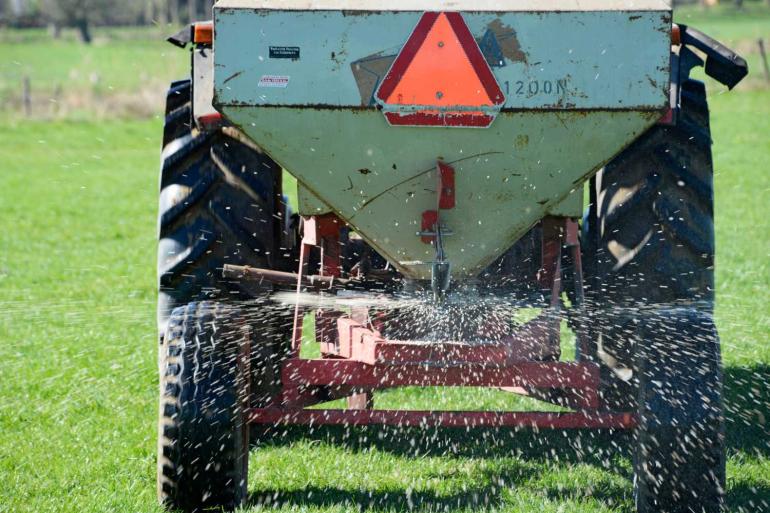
(440, 78)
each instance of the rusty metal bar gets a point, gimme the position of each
(374, 278)
(258, 274)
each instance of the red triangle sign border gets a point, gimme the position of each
(476, 59)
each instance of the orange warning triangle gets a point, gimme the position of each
(441, 67)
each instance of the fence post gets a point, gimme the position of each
(26, 96)
(764, 58)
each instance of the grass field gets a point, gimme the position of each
(78, 346)
(122, 74)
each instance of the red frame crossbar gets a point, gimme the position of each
(357, 359)
(525, 374)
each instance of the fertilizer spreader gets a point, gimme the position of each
(456, 163)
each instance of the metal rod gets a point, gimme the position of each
(441, 270)
(373, 279)
(247, 273)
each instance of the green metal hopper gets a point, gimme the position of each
(578, 83)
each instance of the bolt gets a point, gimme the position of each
(441, 44)
(439, 94)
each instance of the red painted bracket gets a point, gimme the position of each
(446, 185)
(428, 224)
(322, 232)
(445, 200)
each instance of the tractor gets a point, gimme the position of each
(455, 163)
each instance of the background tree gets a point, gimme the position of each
(71, 13)
(81, 14)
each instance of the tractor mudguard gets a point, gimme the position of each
(204, 115)
(182, 38)
(722, 64)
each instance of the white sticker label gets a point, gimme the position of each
(273, 81)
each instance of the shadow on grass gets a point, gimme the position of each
(566, 446)
(402, 500)
(487, 492)
(473, 498)
(747, 407)
(747, 498)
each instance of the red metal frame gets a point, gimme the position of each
(343, 372)
(357, 360)
(322, 232)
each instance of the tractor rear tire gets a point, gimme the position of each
(679, 460)
(654, 236)
(653, 259)
(203, 431)
(656, 214)
(220, 202)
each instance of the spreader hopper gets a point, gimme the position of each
(365, 103)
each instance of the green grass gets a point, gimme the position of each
(78, 382)
(78, 350)
(726, 23)
(124, 72)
